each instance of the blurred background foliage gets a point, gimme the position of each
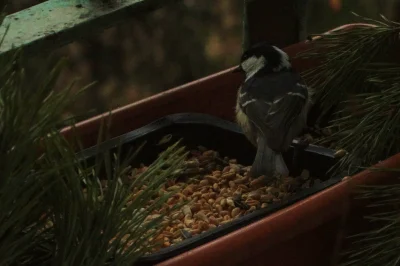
(174, 45)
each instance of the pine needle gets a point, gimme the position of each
(380, 246)
(95, 226)
(359, 82)
(25, 118)
(54, 209)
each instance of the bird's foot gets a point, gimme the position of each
(302, 142)
(299, 146)
(278, 176)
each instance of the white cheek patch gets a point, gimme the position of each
(247, 65)
(242, 119)
(252, 65)
(284, 60)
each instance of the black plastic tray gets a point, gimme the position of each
(226, 138)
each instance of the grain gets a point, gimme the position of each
(213, 191)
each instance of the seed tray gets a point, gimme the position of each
(226, 138)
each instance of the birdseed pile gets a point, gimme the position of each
(214, 191)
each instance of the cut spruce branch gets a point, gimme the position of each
(359, 83)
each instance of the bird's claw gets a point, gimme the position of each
(302, 143)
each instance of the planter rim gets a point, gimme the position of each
(98, 118)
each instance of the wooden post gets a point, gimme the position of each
(280, 22)
(51, 24)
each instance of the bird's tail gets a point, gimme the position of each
(268, 162)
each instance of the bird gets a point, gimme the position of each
(271, 107)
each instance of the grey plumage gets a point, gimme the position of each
(272, 107)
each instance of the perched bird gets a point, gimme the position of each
(272, 106)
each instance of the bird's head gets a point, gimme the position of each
(264, 57)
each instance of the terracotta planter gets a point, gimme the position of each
(305, 233)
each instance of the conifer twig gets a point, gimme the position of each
(358, 81)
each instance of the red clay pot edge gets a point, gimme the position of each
(373, 177)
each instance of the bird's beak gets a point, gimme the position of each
(237, 69)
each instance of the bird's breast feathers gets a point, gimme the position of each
(241, 117)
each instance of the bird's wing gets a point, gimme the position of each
(274, 115)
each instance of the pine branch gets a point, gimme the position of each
(26, 115)
(343, 55)
(358, 81)
(47, 217)
(104, 225)
(81, 228)
(369, 124)
(380, 246)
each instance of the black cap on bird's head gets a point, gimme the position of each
(263, 56)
